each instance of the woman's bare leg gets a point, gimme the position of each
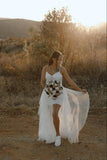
(56, 120)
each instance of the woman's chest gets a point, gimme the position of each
(56, 76)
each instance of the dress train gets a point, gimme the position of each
(72, 114)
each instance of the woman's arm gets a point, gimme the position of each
(42, 82)
(70, 81)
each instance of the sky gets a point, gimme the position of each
(86, 12)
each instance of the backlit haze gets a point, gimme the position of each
(86, 12)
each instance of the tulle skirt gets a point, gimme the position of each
(72, 114)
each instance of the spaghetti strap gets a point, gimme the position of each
(60, 70)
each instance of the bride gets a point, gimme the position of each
(62, 111)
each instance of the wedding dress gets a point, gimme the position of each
(72, 113)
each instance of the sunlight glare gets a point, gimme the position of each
(86, 12)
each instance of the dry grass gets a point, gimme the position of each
(15, 92)
(20, 77)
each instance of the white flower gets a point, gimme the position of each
(50, 89)
(57, 88)
(54, 92)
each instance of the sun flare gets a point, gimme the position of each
(86, 12)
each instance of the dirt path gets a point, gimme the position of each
(18, 138)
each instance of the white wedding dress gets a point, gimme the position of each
(72, 113)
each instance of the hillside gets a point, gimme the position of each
(19, 28)
(16, 27)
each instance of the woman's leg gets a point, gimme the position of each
(56, 120)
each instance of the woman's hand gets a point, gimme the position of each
(84, 90)
(70, 81)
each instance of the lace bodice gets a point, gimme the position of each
(56, 76)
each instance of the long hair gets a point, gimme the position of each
(55, 54)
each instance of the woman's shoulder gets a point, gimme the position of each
(62, 68)
(45, 67)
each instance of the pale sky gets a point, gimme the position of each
(86, 12)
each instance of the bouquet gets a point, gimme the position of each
(53, 88)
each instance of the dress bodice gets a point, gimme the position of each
(56, 76)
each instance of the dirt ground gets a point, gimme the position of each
(18, 137)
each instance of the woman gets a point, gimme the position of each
(62, 111)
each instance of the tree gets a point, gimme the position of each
(54, 28)
(57, 32)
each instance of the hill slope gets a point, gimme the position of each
(16, 27)
(20, 27)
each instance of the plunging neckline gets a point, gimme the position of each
(52, 74)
